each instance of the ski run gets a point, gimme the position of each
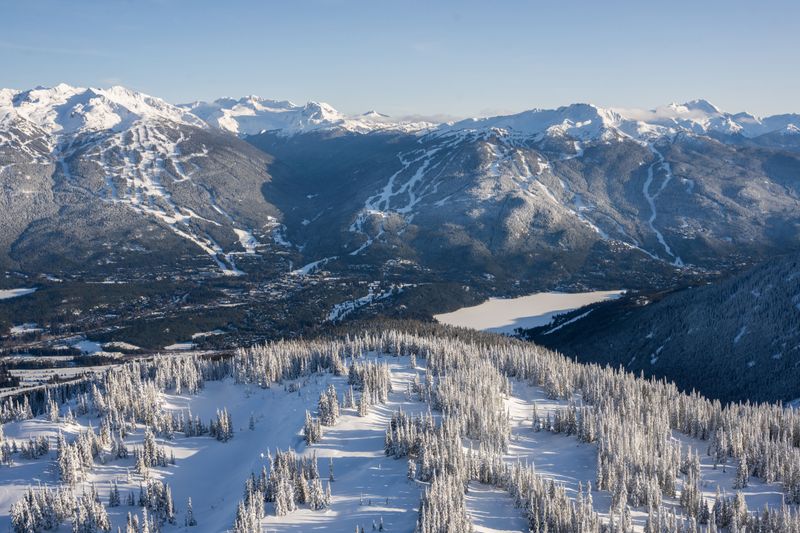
(390, 430)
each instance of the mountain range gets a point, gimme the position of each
(110, 181)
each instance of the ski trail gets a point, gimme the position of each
(492, 510)
(311, 267)
(369, 486)
(651, 199)
(397, 196)
(139, 160)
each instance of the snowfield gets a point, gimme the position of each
(504, 315)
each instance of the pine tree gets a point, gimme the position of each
(190, 520)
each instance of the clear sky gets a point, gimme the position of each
(415, 57)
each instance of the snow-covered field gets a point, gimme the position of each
(501, 315)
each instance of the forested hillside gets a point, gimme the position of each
(743, 331)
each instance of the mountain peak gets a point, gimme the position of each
(702, 105)
(65, 109)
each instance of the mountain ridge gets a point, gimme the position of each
(55, 110)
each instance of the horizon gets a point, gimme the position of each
(450, 59)
(437, 117)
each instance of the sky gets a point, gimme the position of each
(408, 57)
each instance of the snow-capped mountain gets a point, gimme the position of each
(252, 115)
(549, 192)
(589, 122)
(64, 109)
(117, 173)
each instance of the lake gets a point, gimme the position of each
(504, 315)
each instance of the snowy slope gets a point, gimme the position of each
(590, 122)
(252, 115)
(64, 109)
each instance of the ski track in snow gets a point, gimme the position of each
(651, 199)
(134, 164)
(492, 510)
(310, 268)
(6, 294)
(343, 309)
(401, 197)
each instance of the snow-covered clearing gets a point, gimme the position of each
(570, 462)
(553, 456)
(368, 486)
(88, 346)
(180, 346)
(7, 294)
(22, 329)
(504, 315)
(492, 510)
(312, 267)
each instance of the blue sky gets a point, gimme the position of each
(406, 57)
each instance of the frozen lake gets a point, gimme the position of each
(504, 315)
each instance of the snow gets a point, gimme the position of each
(7, 294)
(570, 321)
(27, 327)
(581, 121)
(570, 462)
(247, 240)
(204, 334)
(590, 122)
(368, 486)
(119, 345)
(64, 109)
(252, 115)
(554, 456)
(757, 493)
(739, 335)
(492, 510)
(87, 346)
(502, 315)
(213, 473)
(180, 346)
(361, 468)
(310, 268)
(651, 199)
(341, 310)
